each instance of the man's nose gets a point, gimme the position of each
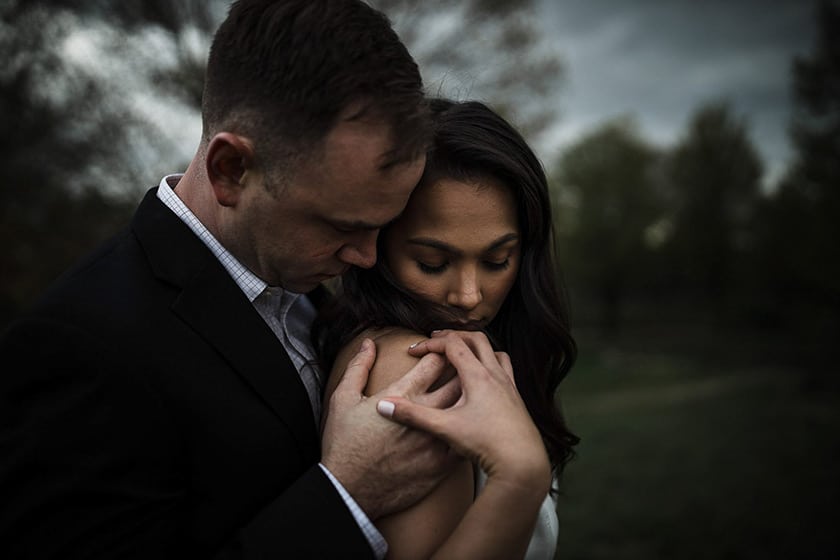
(360, 252)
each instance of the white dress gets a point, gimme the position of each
(544, 540)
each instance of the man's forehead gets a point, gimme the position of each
(354, 186)
(368, 212)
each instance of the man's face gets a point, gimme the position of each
(328, 217)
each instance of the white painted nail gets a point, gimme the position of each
(385, 408)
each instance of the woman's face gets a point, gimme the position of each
(457, 244)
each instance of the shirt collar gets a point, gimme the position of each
(250, 284)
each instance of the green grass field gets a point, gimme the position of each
(680, 459)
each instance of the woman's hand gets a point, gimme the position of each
(489, 424)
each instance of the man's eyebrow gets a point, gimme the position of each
(447, 248)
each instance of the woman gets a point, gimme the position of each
(471, 251)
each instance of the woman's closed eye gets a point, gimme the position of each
(497, 265)
(491, 265)
(432, 268)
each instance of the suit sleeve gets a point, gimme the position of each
(310, 507)
(92, 467)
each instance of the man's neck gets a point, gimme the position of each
(197, 194)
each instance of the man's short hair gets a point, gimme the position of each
(281, 71)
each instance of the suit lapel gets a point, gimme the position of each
(214, 306)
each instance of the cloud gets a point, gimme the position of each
(660, 60)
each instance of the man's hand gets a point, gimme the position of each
(386, 467)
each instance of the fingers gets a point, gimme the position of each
(451, 344)
(469, 352)
(356, 375)
(444, 396)
(419, 378)
(476, 341)
(411, 414)
(507, 366)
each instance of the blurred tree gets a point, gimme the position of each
(493, 50)
(187, 26)
(144, 58)
(714, 177)
(77, 148)
(608, 214)
(47, 216)
(799, 229)
(815, 177)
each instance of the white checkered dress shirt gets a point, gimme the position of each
(289, 316)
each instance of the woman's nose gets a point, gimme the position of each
(466, 291)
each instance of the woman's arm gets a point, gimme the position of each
(418, 531)
(448, 523)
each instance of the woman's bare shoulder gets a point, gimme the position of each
(392, 357)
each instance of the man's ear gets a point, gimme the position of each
(229, 156)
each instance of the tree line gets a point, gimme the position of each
(686, 234)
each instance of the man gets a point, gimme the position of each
(160, 400)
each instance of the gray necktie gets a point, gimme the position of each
(270, 305)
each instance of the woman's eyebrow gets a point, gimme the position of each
(503, 240)
(447, 248)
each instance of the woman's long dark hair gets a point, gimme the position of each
(472, 143)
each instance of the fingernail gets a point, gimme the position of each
(385, 408)
(437, 331)
(365, 345)
(414, 345)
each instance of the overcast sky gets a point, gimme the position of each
(657, 60)
(660, 59)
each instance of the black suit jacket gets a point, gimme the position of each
(146, 410)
